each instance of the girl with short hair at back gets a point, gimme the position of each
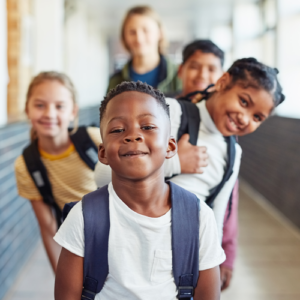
(143, 37)
(51, 107)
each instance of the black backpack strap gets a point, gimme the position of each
(85, 147)
(39, 175)
(95, 208)
(205, 93)
(231, 140)
(190, 121)
(185, 240)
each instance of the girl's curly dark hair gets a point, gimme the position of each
(252, 73)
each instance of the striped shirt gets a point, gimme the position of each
(69, 175)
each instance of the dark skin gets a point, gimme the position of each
(136, 140)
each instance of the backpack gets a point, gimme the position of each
(87, 151)
(190, 123)
(185, 240)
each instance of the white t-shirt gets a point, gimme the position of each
(139, 250)
(202, 184)
(199, 184)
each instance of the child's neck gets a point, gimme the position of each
(144, 64)
(54, 145)
(150, 197)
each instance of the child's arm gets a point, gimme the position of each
(48, 229)
(69, 276)
(208, 286)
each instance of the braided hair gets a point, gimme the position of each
(252, 73)
(129, 86)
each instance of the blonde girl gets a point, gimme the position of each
(143, 37)
(51, 107)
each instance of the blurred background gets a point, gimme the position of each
(82, 39)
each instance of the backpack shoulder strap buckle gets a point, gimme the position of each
(185, 292)
(87, 295)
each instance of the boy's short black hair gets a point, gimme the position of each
(131, 86)
(206, 46)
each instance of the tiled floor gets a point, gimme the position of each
(268, 263)
(267, 267)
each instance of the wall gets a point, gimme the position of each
(18, 227)
(3, 63)
(271, 164)
(86, 55)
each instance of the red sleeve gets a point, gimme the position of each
(230, 229)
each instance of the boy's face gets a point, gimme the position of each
(238, 110)
(136, 136)
(199, 71)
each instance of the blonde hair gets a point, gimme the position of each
(51, 76)
(149, 12)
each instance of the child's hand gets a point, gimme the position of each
(192, 158)
(226, 275)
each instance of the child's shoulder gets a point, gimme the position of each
(20, 165)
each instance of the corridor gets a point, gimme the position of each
(267, 266)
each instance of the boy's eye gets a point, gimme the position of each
(148, 127)
(257, 118)
(60, 106)
(118, 130)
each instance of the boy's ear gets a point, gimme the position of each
(223, 82)
(172, 148)
(102, 154)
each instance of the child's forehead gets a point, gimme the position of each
(130, 101)
(133, 104)
(198, 54)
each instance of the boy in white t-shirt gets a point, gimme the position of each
(135, 129)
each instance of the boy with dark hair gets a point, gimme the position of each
(202, 65)
(135, 130)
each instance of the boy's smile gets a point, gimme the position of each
(136, 136)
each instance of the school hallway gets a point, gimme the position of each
(267, 266)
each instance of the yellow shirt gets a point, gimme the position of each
(69, 175)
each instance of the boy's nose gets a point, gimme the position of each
(133, 138)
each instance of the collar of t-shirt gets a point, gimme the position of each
(153, 223)
(66, 153)
(151, 78)
(207, 123)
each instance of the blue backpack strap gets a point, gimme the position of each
(38, 173)
(85, 147)
(230, 140)
(190, 121)
(185, 240)
(95, 207)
